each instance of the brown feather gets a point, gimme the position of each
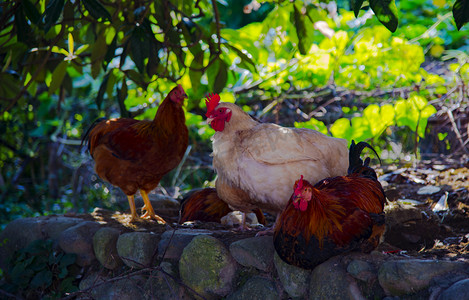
(344, 213)
(205, 205)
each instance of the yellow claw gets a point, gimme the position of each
(148, 208)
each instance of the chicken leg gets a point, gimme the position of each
(149, 212)
(133, 211)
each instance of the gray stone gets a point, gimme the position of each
(397, 213)
(207, 267)
(94, 286)
(459, 290)
(294, 280)
(98, 287)
(17, 235)
(137, 249)
(361, 270)
(54, 226)
(78, 239)
(161, 285)
(256, 288)
(171, 246)
(255, 252)
(428, 190)
(329, 280)
(105, 250)
(403, 277)
(127, 289)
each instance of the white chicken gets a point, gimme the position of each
(258, 163)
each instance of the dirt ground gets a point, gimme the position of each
(435, 234)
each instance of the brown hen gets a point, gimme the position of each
(134, 155)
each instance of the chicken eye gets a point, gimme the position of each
(220, 110)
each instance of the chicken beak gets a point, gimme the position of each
(209, 120)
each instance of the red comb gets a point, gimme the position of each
(299, 185)
(211, 102)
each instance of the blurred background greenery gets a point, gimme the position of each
(297, 63)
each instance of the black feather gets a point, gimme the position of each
(356, 164)
(85, 138)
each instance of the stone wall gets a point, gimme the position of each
(201, 264)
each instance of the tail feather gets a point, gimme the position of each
(356, 164)
(86, 136)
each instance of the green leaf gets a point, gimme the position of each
(57, 77)
(42, 279)
(442, 136)
(406, 115)
(10, 85)
(356, 5)
(97, 54)
(111, 51)
(52, 13)
(175, 40)
(426, 113)
(67, 259)
(135, 76)
(342, 129)
(38, 263)
(102, 90)
(212, 72)
(153, 57)
(378, 118)
(461, 12)
(53, 259)
(244, 57)
(304, 42)
(20, 273)
(31, 11)
(386, 12)
(22, 26)
(96, 9)
(312, 124)
(66, 285)
(121, 96)
(194, 75)
(185, 6)
(63, 273)
(139, 48)
(221, 78)
(70, 44)
(360, 130)
(111, 82)
(217, 75)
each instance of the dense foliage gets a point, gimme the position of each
(41, 272)
(317, 64)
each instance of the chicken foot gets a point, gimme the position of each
(148, 208)
(269, 230)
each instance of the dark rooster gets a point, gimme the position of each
(336, 215)
(134, 155)
(205, 205)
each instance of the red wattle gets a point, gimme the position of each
(218, 125)
(303, 205)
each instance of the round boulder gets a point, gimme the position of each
(207, 267)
